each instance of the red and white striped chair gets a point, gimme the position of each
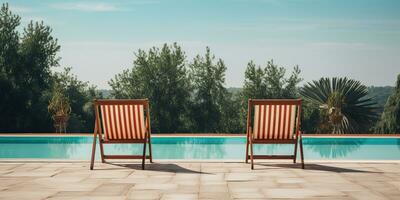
(122, 121)
(275, 121)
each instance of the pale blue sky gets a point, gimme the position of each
(358, 38)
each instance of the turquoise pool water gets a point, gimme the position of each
(228, 148)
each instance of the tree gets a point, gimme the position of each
(25, 63)
(27, 80)
(278, 86)
(269, 82)
(213, 107)
(11, 101)
(390, 118)
(310, 117)
(254, 82)
(344, 105)
(38, 52)
(81, 96)
(161, 76)
(231, 120)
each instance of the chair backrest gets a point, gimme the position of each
(126, 119)
(274, 119)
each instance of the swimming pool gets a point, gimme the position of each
(216, 148)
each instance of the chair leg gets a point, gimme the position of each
(144, 155)
(295, 152)
(301, 153)
(247, 152)
(251, 155)
(151, 155)
(93, 152)
(101, 150)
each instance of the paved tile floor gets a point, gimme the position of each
(179, 180)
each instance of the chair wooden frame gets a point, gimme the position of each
(297, 135)
(100, 133)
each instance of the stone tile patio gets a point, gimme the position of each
(185, 180)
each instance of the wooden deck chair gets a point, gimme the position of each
(122, 121)
(275, 121)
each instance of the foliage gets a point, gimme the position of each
(185, 97)
(81, 96)
(9, 64)
(213, 107)
(254, 82)
(344, 107)
(59, 109)
(25, 63)
(279, 87)
(390, 118)
(38, 51)
(311, 117)
(161, 76)
(380, 95)
(231, 120)
(269, 82)
(27, 80)
(59, 103)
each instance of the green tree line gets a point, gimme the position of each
(186, 95)
(27, 79)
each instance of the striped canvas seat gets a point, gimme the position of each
(122, 121)
(273, 121)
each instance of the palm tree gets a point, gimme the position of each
(343, 103)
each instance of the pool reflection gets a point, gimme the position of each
(333, 148)
(398, 143)
(189, 148)
(179, 148)
(217, 148)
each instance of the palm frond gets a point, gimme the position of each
(345, 103)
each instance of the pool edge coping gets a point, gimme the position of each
(203, 135)
(24, 160)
